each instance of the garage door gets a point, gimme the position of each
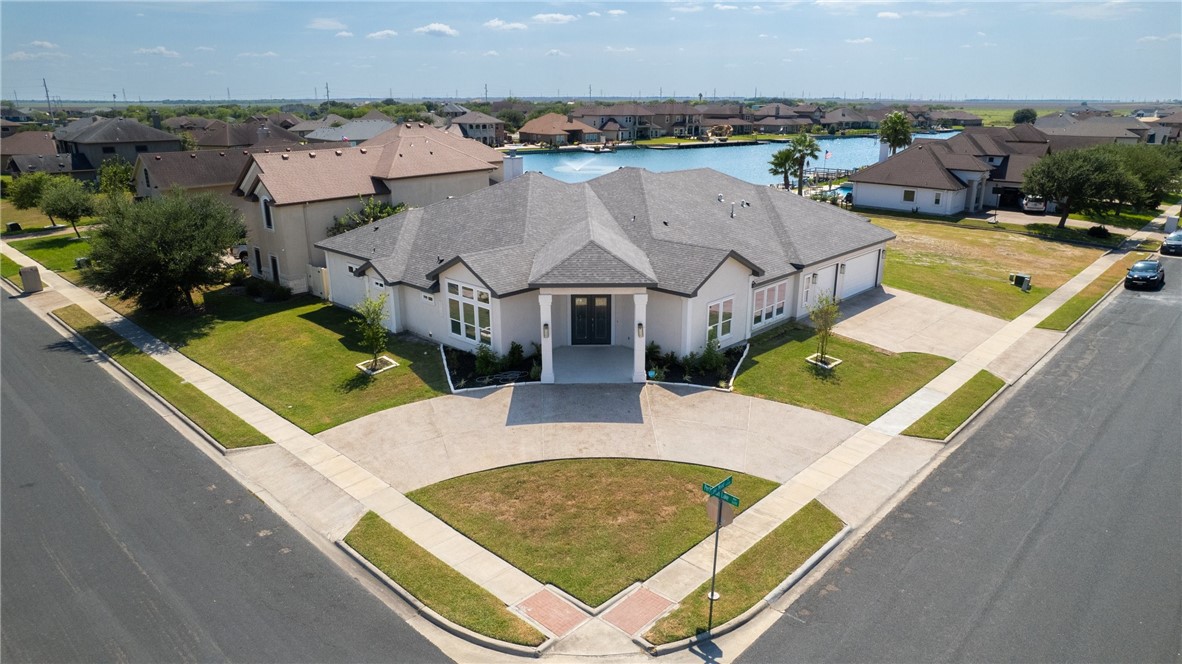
(826, 280)
(860, 274)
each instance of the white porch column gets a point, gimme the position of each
(547, 334)
(640, 301)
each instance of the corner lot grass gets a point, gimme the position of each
(589, 526)
(436, 584)
(953, 411)
(869, 382)
(297, 357)
(31, 219)
(970, 268)
(1077, 306)
(1130, 219)
(223, 425)
(751, 576)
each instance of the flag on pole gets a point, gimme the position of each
(828, 154)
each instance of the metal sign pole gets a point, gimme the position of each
(714, 569)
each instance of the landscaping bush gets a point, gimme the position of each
(652, 353)
(236, 275)
(515, 357)
(1099, 232)
(487, 362)
(267, 290)
(535, 371)
(712, 360)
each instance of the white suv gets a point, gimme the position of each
(1034, 204)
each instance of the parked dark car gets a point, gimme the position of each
(1172, 244)
(1144, 274)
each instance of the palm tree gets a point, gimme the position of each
(801, 148)
(895, 131)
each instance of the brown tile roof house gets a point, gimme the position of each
(330, 120)
(844, 118)
(925, 164)
(27, 142)
(775, 111)
(555, 129)
(292, 197)
(481, 127)
(185, 123)
(221, 135)
(203, 169)
(375, 114)
(963, 118)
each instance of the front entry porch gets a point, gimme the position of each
(593, 364)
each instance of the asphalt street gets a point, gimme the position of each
(1053, 534)
(120, 541)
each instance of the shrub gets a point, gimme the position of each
(669, 359)
(691, 363)
(652, 352)
(515, 357)
(712, 360)
(237, 274)
(267, 290)
(487, 362)
(1099, 232)
(537, 354)
(658, 372)
(535, 371)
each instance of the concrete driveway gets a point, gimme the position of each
(422, 443)
(901, 322)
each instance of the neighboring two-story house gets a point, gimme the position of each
(99, 139)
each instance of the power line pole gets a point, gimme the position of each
(486, 93)
(227, 94)
(124, 95)
(327, 97)
(48, 104)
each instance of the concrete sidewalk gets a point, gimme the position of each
(328, 481)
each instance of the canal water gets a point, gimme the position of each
(746, 162)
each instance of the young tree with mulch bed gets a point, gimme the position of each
(824, 314)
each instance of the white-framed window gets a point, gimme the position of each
(908, 195)
(770, 303)
(470, 311)
(268, 221)
(937, 198)
(719, 317)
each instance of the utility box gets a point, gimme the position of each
(1171, 224)
(31, 279)
(1021, 281)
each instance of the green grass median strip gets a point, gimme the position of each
(223, 425)
(436, 584)
(953, 411)
(1071, 310)
(869, 382)
(8, 268)
(56, 253)
(752, 575)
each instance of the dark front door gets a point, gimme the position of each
(591, 317)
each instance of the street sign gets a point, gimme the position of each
(728, 512)
(719, 491)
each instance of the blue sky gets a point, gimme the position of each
(157, 50)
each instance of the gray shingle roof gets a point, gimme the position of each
(111, 130)
(664, 230)
(49, 163)
(356, 130)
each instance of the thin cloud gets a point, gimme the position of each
(381, 34)
(687, 9)
(256, 54)
(157, 50)
(862, 40)
(186, 64)
(491, 54)
(498, 24)
(326, 24)
(924, 13)
(556, 53)
(438, 30)
(204, 48)
(890, 15)
(1101, 11)
(44, 44)
(1160, 38)
(725, 8)
(21, 56)
(214, 72)
(616, 12)
(594, 14)
(557, 19)
(980, 34)
(621, 49)
(344, 33)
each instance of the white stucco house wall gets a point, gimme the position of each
(626, 259)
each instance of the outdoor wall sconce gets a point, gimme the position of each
(842, 268)
(640, 330)
(814, 277)
(545, 330)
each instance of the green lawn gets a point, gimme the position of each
(1004, 117)
(31, 219)
(953, 411)
(436, 584)
(589, 526)
(56, 253)
(1130, 219)
(1078, 305)
(8, 268)
(223, 425)
(297, 357)
(971, 268)
(751, 576)
(869, 382)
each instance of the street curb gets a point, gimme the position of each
(84, 344)
(745, 617)
(1092, 308)
(440, 621)
(969, 420)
